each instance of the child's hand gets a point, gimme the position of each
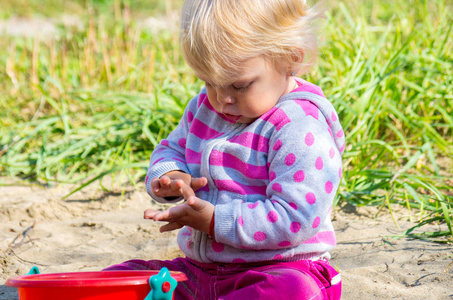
(195, 212)
(171, 183)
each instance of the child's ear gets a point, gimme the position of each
(296, 63)
(298, 56)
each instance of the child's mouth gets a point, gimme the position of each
(232, 117)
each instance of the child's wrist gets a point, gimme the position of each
(211, 226)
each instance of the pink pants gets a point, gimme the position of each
(303, 279)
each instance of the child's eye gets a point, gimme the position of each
(243, 88)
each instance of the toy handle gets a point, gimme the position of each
(162, 286)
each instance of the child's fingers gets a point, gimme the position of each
(166, 187)
(199, 182)
(177, 184)
(187, 191)
(175, 213)
(165, 181)
(196, 203)
(150, 213)
(170, 226)
(157, 215)
(155, 184)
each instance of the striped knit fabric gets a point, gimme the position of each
(272, 181)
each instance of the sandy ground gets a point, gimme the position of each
(93, 229)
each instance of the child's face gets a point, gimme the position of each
(257, 89)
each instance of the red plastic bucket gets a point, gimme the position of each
(105, 285)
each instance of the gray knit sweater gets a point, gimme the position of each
(272, 181)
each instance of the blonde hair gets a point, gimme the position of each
(218, 35)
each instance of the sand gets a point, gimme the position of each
(94, 229)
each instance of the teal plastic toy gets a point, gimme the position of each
(34, 270)
(162, 286)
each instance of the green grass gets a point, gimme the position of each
(388, 67)
(95, 102)
(57, 8)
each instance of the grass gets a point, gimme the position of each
(389, 69)
(95, 102)
(57, 8)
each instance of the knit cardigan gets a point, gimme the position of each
(272, 181)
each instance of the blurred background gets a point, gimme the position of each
(88, 88)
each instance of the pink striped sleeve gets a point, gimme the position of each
(178, 159)
(193, 157)
(236, 187)
(203, 131)
(218, 158)
(253, 141)
(158, 160)
(277, 117)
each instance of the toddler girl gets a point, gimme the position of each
(256, 156)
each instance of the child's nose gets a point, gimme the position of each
(224, 97)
